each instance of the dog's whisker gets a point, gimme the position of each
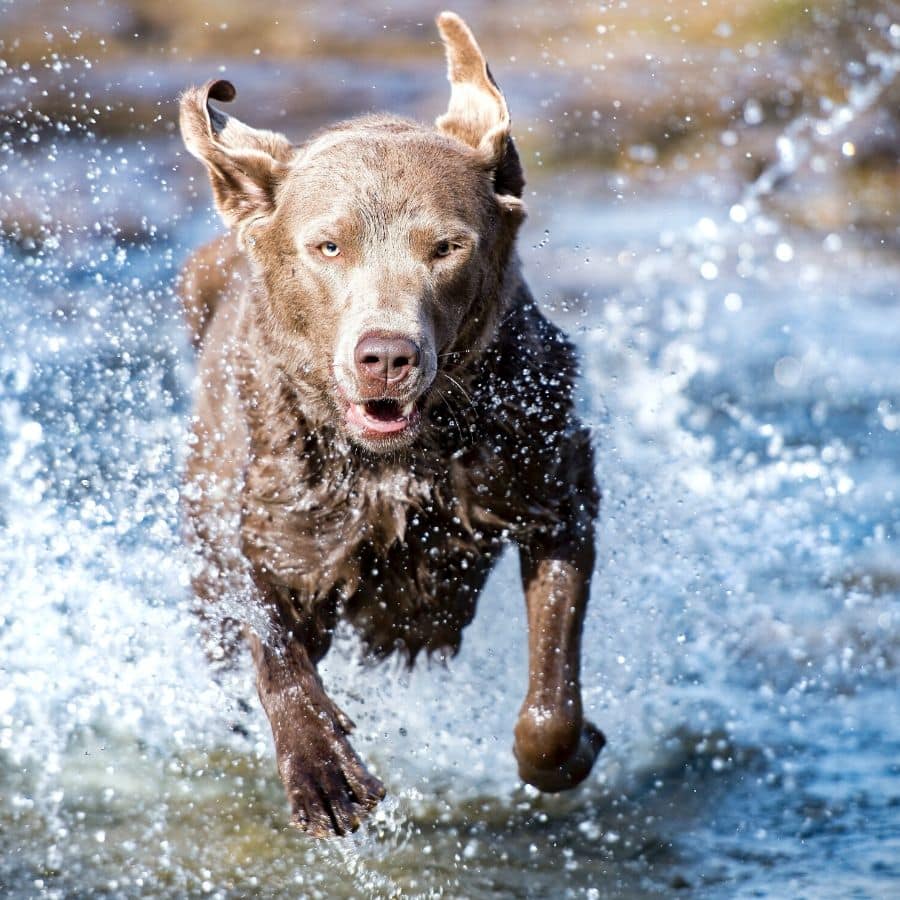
(462, 390)
(451, 410)
(467, 411)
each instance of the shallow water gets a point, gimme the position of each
(744, 633)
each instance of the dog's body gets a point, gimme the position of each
(382, 407)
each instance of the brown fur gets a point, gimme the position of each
(297, 519)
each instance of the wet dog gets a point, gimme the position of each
(381, 408)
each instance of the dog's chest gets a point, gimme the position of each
(404, 531)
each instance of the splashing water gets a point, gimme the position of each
(796, 144)
(742, 645)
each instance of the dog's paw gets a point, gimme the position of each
(551, 775)
(328, 787)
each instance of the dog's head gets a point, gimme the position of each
(381, 246)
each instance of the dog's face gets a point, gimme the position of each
(381, 245)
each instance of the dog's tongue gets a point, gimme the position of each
(383, 416)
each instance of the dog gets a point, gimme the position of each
(381, 407)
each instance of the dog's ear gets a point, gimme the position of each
(244, 164)
(477, 114)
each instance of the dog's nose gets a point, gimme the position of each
(386, 358)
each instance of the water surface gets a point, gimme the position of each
(742, 381)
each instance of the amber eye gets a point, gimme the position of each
(330, 248)
(444, 248)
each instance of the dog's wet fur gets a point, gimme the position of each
(381, 407)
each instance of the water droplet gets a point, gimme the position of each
(753, 112)
(787, 371)
(784, 252)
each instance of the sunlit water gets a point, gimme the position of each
(742, 645)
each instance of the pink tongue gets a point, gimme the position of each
(357, 415)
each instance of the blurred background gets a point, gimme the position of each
(713, 195)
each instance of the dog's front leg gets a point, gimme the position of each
(554, 746)
(328, 787)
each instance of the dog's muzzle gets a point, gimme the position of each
(388, 375)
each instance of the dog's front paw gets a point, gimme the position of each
(540, 763)
(328, 787)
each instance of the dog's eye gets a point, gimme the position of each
(444, 248)
(330, 248)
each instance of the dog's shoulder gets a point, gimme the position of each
(531, 366)
(209, 274)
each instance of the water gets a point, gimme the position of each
(743, 640)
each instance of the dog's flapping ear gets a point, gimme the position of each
(477, 114)
(244, 163)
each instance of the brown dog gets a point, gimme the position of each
(381, 408)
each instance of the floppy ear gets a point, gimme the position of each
(477, 114)
(244, 163)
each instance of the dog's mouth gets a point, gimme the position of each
(382, 418)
